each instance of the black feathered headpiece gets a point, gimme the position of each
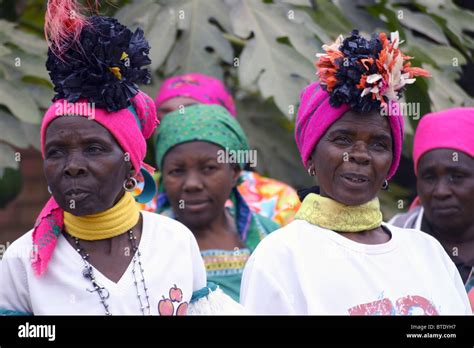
(103, 64)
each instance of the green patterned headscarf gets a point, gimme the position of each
(210, 123)
(214, 124)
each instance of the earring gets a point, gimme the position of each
(130, 184)
(385, 185)
(311, 172)
(49, 190)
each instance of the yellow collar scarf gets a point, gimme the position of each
(328, 213)
(122, 217)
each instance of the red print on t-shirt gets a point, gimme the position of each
(407, 305)
(166, 305)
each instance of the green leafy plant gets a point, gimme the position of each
(264, 50)
(24, 92)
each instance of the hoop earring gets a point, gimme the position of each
(49, 190)
(130, 184)
(311, 172)
(385, 185)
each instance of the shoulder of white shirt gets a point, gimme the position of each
(22, 246)
(166, 224)
(294, 229)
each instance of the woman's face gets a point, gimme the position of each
(173, 104)
(84, 166)
(353, 157)
(445, 185)
(196, 183)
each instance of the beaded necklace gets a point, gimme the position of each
(102, 292)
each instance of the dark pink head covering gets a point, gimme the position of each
(450, 129)
(316, 115)
(130, 128)
(204, 89)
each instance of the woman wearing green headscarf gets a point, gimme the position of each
(200, 152)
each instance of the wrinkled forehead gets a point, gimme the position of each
(69, 127)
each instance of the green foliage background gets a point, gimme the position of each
(264, 50)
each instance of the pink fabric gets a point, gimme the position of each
(450, 129)
(123, 125)
(316, 115)
(45, 235)
(416, 202)
(204, 89)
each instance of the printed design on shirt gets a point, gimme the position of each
(225, 262)
(407, 305)
(166, 306)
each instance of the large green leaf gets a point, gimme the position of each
(422, 23)
(309, 24)
(29, 43)
(25, 64)
(444, 93)
(10, 185)
(138, 14)
(32, 134)
(199, 35)
(4, 50)
(295, 2)
(19, 102)
(348, 15)
(41, 93)
(162, 36)
(442, 56)
(11, 131)
(299, 28)
(277, 154)
(453, 19)
(159, 24)
(7, 157)
(279, 70)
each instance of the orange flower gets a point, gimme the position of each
(326, 71)
(415, 71)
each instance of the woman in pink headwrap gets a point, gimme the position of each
(268, 197)
(337, 256)
(91, 245)
(443, 153)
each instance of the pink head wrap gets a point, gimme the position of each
(130, 128)
(316, 115)
(451, 129)
(204, 89)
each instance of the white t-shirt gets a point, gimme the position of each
(305, 269)
(169, 254)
